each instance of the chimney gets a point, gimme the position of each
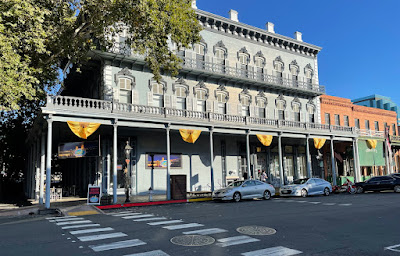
(233, 15)
(194, 6)
(270, 27)
(298, 36)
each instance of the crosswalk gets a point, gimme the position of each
(97, 236)
(281, 200)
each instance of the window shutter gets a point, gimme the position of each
(173, 101)
(303, 117)
(167, 101)
(216, 106)
(135, 97)
(228, 108)
(189, 103)
(266, 113)
(239, 109)
(226, 65)
(287, 115)
(209, 106)
(256, 111)
(251, 110)
(116, 94)
(207, 60)
(251, 70)
(276, 114)
(194, 104)
(150, 99)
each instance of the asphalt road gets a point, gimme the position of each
(343, 224)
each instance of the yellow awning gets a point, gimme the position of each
(265, 139)
(319, 143)
(189, 136)
(372, 143)
(82, 129)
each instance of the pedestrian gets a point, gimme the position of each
(245, 176)
(264, 176)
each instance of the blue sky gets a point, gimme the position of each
(360, 38)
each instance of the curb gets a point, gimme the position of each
(117, 206)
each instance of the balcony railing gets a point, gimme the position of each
(371, 133)
(98, 107)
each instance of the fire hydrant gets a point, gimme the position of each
(150, 194)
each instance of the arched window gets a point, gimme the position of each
(244, 59)
(181, 94)
(296, 112)
(279, 67)
(245, 100)
(280, 103)
(311, 113)
(308, 72)
(125, 83)
(201, 94)
(294, 70)
(158, 94)
(222, 98)
(200, 50)
(261, 105)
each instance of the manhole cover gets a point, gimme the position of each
(192, 240)
(256, 230)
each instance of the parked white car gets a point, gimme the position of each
(307, 187)
(248, 189)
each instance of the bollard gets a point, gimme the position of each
(150, 194)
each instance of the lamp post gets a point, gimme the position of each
(127, 150)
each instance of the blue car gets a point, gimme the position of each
(307, 187)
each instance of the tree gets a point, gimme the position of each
(37, 36)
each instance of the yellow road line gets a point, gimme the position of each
(200, 199)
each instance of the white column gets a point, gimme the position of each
(48, 160)
(168, 162)
(115, 164)
(212, 159)
(42, 166)
(248, 154)
(333, 162)
(309, 170)
(280, 159)
(108, 172)
(357, 173)
(38, 165)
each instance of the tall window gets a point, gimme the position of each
(180, 93)
(158, 95)
(357, 123)
(296, 112)
(278, 70)
(367, 124)
(346, 121)
(327, 118)
(201, 100)
(245, 101)
(311, 111)
(221, 98)
(220, 54)
(244, 62)
(125, 86)
(261, 104)
(337, 119)
(280, 105)
(200, 53)
(376, 125)
(294, 72)
(394, 129)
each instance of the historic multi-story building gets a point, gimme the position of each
(238, 82)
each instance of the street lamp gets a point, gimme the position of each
(127, 150)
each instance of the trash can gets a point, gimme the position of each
(178, 187)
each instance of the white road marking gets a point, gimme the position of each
(164, 222)
(301, 201)
(314, 202)
(127, 214)
(74, 222)
(391, 248)
(235, 240)
(137, 216)
(148, 219)
(81, 226)
(151, 253)
(116, 245)
(189, 225)
(76, 219)
(329, 204)
(92, 230)
(208, 231)
(345, 204)
(273, 251)
(101, 237)
(112, 213)
(60, 218)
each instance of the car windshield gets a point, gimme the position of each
(236, 184)
(300, 181)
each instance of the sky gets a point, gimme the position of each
(359, 38)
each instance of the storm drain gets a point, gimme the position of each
(192, 240)
(256, 230)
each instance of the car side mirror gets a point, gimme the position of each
(244, 185)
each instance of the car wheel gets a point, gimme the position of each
(236, 197)
(267, 195)
(397, 189)
(304, 193)
(360, 190)
(326, 192)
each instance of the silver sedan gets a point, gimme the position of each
(248, 189)
(306, 187)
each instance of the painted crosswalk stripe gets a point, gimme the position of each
(164, 222)
(60, 218)
(329, 204)
(73, 222)
(64, 220)
(273, 251)
(150, 253)
(189, 225)
(208, 231)
(314, 202)
(148, 219)
(137, 216)
(302, 201)
(81, 226)
(126, 214)
(112, 213)
(344, 204)
(92, 230)
(116, 245)
(101, 237)
(235, 240)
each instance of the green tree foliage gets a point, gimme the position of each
(36, 36)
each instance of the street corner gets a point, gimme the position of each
(81, 211)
